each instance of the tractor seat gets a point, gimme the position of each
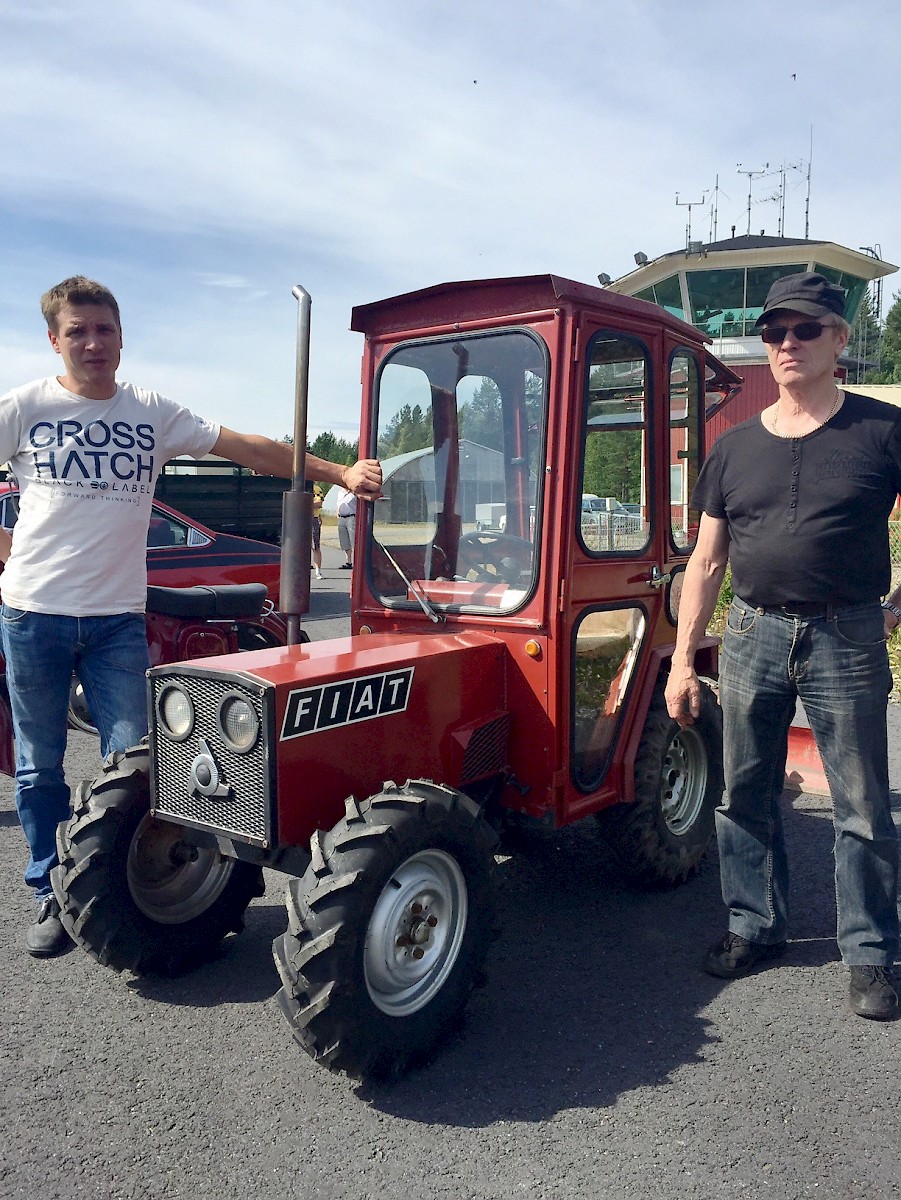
(232, 601)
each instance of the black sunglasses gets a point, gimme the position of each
(806, 331)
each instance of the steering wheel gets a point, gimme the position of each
(494, 557)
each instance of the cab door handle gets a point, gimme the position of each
(657, 579)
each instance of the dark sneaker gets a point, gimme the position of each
(873, 993)
(735, 956)
(346, 567)
(46, 936)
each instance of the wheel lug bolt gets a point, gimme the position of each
(418, 952)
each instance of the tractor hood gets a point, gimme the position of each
(336, 718)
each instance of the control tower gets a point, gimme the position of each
(721, 287)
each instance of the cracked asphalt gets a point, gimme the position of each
(597, 1062)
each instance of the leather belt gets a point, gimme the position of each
(800, 609)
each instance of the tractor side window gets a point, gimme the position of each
(606, 645)
(614, 512)
(685, 446)
(461, 437)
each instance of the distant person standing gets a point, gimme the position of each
(317, 531)
(347, 525)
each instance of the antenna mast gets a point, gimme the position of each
(807, 205)
(750, 175)
(689, 204)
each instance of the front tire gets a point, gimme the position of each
(388, 929)
(134, 892)
(661, 838)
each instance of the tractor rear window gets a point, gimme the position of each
(460, 436)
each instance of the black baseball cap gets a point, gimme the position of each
(806, 292)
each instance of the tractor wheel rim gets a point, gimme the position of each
(415, 933)
(683, 782)
(79, 713)
(164, 883)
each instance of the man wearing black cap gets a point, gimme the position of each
(797, 500)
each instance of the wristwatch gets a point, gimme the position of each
(893, 609)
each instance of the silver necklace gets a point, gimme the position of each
(825, 420)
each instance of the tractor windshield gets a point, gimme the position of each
(460, 435)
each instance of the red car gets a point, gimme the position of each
(182, 553)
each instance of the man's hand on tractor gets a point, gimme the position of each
(364, 479)
(683, 695)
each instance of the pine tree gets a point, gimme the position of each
(864, 342)
(890, 347)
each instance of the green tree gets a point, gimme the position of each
(333, 448)
(890, 347)
(612, 454)
(329, 446)
(409, 429)
(480, 419)
(864, 341)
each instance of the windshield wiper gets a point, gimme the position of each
(423, 603)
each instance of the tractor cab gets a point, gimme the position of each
(515, 419)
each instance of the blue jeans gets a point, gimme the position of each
(109, 655)
(838, 666)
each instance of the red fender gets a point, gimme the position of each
(804, 767)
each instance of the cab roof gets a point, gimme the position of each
(517, 296)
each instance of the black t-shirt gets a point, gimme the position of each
(808, 516)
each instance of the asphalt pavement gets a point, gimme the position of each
(597, 1062)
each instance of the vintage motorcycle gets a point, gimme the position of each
(198, 622)
(182, 624)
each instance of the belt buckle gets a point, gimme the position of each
(806, 611)
(791, 612)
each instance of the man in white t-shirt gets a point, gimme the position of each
(86, 451)
(347, 525)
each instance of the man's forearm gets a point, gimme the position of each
(700, 592)
(325, 471)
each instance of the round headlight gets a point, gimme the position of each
(238, 723)
(176, 712)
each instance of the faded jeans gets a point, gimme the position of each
(838, 667)
(109, 655)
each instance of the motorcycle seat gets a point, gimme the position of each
(233, 601)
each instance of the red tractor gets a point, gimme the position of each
(503, 675)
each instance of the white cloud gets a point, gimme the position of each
(201, 158)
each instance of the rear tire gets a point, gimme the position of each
(388, 929)
(134, 892)
(661, 838)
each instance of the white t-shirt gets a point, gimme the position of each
(86, 471)
(347, 503)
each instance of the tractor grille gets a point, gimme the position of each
(486, 753)
(244, 811)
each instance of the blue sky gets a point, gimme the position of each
(200, 158)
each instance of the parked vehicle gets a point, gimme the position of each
(184, 623)
(607, 523)
(225, 495)
(491, 679)
(183, 553)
